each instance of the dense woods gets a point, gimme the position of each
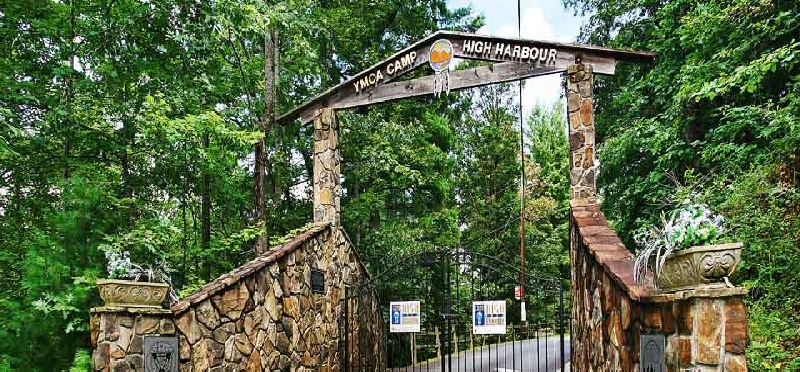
(715, 119)
(149, 127)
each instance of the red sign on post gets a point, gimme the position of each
(518, 292)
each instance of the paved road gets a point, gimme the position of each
(519, 356)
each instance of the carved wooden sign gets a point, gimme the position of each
(508, 51)
(386, 71)
(514, 59)
(541, 54)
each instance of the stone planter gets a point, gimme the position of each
(700, 266)
(127, 293)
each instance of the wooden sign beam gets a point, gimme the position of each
(373, 85)
(461, 79)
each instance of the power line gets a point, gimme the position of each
(522, 175)
(484, 237)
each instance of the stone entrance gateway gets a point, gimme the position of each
(310, 305)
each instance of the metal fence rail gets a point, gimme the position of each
(539, 342)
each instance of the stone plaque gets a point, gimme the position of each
(160, 354)
(652, 353)
(317, 281)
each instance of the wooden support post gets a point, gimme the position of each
(455, 337)
(327, 190)
(580, 111)
(413, 349)
(438, 343)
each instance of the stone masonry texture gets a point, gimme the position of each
(117, 336)
(263, 316)
(705, 329)
(327, 164)
(580, 111)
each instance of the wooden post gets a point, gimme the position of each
(413, 349)
(438, 344)
(327, 190)
(455, 337)
(580, 109)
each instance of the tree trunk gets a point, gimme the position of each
(205, 218)
(70, 78)
(125, 173)
(271, 85)
(358, 227)
(185, 192)
(258, 194)
(267, 121)
(128, 141)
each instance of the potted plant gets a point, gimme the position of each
(132, 285)
(685, 250)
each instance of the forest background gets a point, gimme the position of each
(148, 126)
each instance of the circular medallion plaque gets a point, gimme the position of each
(440, 55)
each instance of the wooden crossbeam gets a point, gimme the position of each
(461, 79)
(375, 84)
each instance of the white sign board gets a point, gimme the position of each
(404, 316)
(489, 317)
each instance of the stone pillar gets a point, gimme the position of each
(711, 330)
(117, 335)
(327, 190)
(702, 329)
(580, 110)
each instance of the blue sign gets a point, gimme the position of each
(480, 318)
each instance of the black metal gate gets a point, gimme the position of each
(446, 283)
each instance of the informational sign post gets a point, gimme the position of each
(404, 317)
(489, 317)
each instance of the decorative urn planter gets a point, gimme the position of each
(128, 293)
(699, 266)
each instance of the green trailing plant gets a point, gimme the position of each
(121, 267)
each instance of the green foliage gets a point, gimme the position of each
(717, 112)
(130, 126)
(547, 205)
(82, 361)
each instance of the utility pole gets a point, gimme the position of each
(522, 185)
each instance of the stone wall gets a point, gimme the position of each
(705, 330)
(261, 316)
(117, 335)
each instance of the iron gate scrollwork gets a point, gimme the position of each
(447, 282)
